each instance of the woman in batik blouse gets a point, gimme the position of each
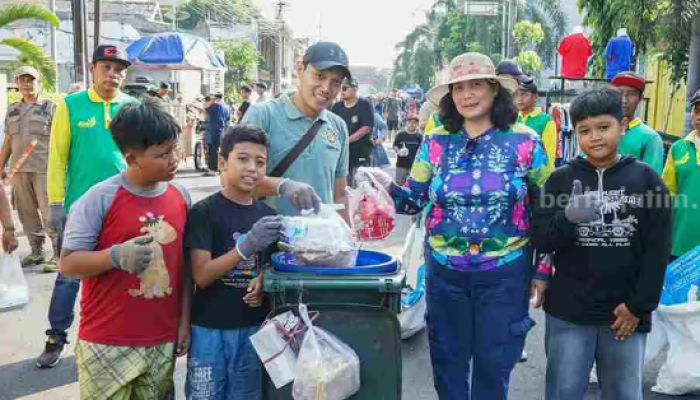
(476, 178)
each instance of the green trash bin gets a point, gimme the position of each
(372, 332)
(376, 281)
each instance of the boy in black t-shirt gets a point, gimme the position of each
(406, 146)
(226, 236)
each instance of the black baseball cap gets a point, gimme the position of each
(327, 55)
(527, 84)
(164, 85)
(351, 82)
(695, 99)
(508, 67)
(108, 52)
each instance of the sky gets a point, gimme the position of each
(368, 30)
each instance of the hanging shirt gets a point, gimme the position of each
(618, 55)
(575, 50)
(682, 176)
(480, 190)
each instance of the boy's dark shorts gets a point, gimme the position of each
(392, 125)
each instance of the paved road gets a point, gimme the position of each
(22, 336)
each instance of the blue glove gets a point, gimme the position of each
(582, 208)
(264, 233)
(300, 195)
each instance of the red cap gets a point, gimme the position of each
(629, 79)
(413, 116)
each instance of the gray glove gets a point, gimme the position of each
(57, 218)
(132, 256)
(264, 233)
(300, 195)
(582, 208)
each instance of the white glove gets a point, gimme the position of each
(372, 174)
(403, 152)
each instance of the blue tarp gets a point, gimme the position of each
(175, 51)
(414, 91)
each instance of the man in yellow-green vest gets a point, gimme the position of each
(682, 176)
(82, 153)
(536, 119)
(639, 139)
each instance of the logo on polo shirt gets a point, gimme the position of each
(329, 135)
(90, 123)
(354, 119)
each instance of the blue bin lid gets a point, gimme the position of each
(368, 263)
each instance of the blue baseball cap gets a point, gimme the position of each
(327, 55)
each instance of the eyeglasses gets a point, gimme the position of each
(347, 87)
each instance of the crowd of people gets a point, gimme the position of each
(164, 278)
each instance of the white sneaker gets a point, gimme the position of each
(523, 357)
(593, 377)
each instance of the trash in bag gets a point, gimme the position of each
(274, 344)
(327, 368)
(14, 290)
(676, 322)
(323, 239)
(680, 374)
(682, 281)
(413, 303)
(372, 210)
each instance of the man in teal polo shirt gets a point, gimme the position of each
(639, 140)
(323, 166)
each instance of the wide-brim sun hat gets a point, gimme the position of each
(469, 67)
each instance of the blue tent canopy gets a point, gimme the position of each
(174, 51)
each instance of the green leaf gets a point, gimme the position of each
(36, 57)
(15, 12)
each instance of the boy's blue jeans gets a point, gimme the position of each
(571, 350)
(222, 365)
(480, 317)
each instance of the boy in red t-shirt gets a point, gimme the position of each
(124, 241)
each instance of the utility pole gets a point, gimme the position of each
(54, 49)
(78, 10)
(512, 17)
(97, 17)
(504, 26)
(86, 40)
(279, 54)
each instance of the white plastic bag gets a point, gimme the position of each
(274, 349)
(413, 303)
(680, 374)
(14, 290)
(323, 239)
(327, 368)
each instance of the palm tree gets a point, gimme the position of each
(30, 52)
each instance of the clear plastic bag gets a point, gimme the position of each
(323, 239)
(327, 368)
(14, 290)
(372, 210)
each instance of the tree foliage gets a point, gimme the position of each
(30, 53)
(529, 62)
(662, 25)
(241, 58)
(218, 11)
(526, 33)
(449, 32)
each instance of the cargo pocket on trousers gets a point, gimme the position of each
(522, 327)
